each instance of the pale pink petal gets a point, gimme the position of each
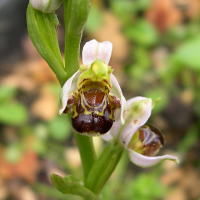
(144, 161)
(135, 119)
(93, 50)
(116, 90)
(89, 53)
(104, 51)
(69, 86)
(107, 137)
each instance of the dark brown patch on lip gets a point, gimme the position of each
(94, 96)
(151, 138)
(92, 122)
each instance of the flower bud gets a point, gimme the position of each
(76, 13)
(46, 6)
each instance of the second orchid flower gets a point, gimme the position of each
(140, 140)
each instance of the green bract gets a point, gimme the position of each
(39, 26)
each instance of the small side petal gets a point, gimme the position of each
(137, 117)
(93, 50)
(116, 90)
(144, 161)
(69, 86)
(107, 137)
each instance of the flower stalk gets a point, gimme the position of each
(104, 167)
(75, 15)
(86, 150)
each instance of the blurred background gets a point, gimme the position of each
(156, 53)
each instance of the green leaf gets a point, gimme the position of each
(60, 128)
(124, 10)
(70, 185)
(7, 92)
(141, 56)
(145, 186)
(41, 28)
(142, 4)
(40, 146)
(49, 193)
(13, 113)
(104, 167)
(188, 54)
(189, 140)
(142, 32)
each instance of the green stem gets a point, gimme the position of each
(86, 150)
(104, 167)
(72, 49)
(75, 13)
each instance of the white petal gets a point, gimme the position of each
(116, 90)
(115, 130)
(69, 86)
(93, 50)
(137, 119)
(144, 161)
(107, 137)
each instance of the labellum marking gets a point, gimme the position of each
(151, 138)
(147, 140)
(92, 104)
(93, 108)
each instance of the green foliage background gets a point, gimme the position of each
(177, 79)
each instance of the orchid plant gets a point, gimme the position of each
(93, 99)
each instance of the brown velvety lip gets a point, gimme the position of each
(94, 96)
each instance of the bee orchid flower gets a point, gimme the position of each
(140, 140)
(93, 93)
